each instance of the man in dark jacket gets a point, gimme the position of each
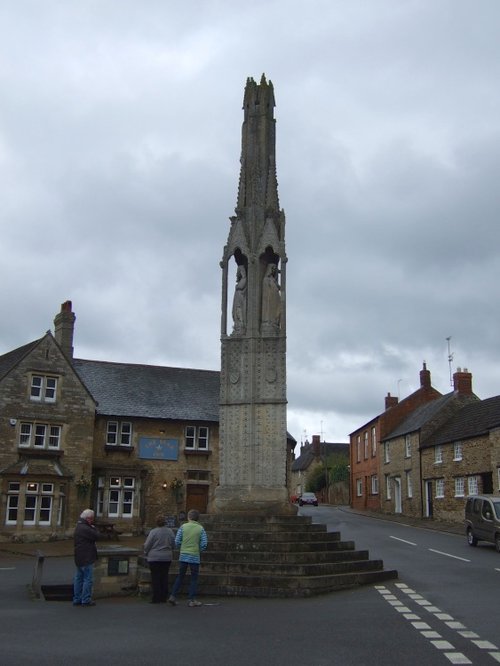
(85, 536)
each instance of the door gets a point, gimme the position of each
(197, 498)
(397, 495)
(428, 499)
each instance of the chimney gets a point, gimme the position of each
(391, 401)
(64, 327)
(462, 382)
(316, 445)
(425, 377)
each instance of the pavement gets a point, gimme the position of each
(64, 547)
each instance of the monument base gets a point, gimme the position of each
(261, 500)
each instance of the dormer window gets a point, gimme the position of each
(43, 388)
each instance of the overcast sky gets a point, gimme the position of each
(120, 129)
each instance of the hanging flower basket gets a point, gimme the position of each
(83, 486)
(176, 486)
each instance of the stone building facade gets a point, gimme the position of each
(461, 458)
(401, 491)
(131, 441)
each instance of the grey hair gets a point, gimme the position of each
(87, 513)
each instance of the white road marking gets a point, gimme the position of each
(427, 632)
(457, 658)
(442, 645)
(410, 543)
(455, 557)
(485, 645)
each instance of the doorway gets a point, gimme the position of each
(428, 499)
(397, 495)
(197, 497)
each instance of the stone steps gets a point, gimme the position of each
(284, 556)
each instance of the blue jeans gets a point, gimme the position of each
(195, 569)
(82, 584)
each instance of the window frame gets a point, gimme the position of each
(473, 485)
(438, 454)
(458, 454)
(38, 436)
(409, 484)
(407, 446)
(43, 388)
(439, 489)
(459, 486)
(196, 438)
(119, 431)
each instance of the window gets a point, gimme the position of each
(457, 451)
(196, 438)
(119, 433)
(459, 486)
(366, 444)
(438, 454)
(12, 502)
(39, 435)
(374, 484)
(197, 475)
(119, 491)
(439, 488)
(409, 485)
(43, 389)
(407, 446)
(374, 442)
(388, 493)
(387, 453)
(359, 487)
(38, 503)
(358, 449)
(472, 485)
(498, 474)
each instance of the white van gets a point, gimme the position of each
(482, 519)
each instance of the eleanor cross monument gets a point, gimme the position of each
(253, 326)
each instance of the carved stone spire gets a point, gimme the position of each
(252, 428)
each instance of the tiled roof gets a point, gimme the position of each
(473, 420)
(420, 416)
(12, 358)
(148, 391)
(307, 456)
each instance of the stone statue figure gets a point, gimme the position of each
(271, 298)
(240, 300)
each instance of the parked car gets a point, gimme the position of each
(482, 519)
(308, 498)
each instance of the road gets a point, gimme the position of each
(463, 583)
(440, 611)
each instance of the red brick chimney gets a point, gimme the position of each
(391, 401)
(64, 328)
(425, 377)
(316, 445)
(462, 381)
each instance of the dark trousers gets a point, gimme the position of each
(159, 581)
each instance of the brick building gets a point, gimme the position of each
(364, 443)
